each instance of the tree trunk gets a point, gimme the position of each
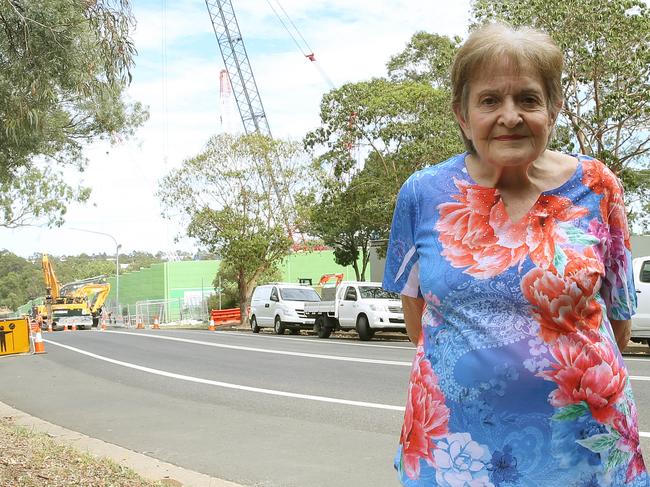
(365, 257)
(244, 294)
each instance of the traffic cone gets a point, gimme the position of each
(65, 327)
(211, 326)
(74, 327)
(103, 328)
(39, 346)
(49, 327)
(140, 326)
(156, 324)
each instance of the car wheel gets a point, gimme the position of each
(278, 327)
(254, 327)
(363, 328)
(320, 329)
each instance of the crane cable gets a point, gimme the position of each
(308, 53)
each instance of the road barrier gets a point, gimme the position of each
(225, 316)
(14, 336)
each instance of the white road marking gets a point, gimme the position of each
(628, 359)
(407, 347)
(264, 350)
(198, 380)
(271, 392)
(639, 377)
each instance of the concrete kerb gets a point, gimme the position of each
(147, 467)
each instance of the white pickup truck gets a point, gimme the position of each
(363, 306)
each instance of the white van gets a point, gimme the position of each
(641, 320)
(281, 306)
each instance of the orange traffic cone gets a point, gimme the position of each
(211, 326)
(140, 326)
(103, 327)
(49, 327)
(74, 327)
(65, 327)
(156, 324)
(39, 346)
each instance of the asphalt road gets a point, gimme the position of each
(259, 410)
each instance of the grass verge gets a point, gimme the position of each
(35, 460)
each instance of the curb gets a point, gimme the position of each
(145, 466)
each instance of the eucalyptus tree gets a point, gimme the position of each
(373, 135)
(64, 68)
(226, 200)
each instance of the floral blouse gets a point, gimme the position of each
(517, 379)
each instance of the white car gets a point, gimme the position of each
(281, 306)
(641, 320)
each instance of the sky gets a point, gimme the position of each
(177, 77)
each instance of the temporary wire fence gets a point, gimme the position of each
(167, 311)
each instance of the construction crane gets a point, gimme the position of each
(235, 58)
(244, 89)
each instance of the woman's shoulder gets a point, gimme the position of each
(596, 172)
(432, 174)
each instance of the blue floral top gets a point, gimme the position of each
(517, 379)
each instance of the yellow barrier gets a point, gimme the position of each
(14, 336)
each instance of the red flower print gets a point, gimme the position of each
(586, 369)
(627, 427)
(565, 304)
(476, 232)
(426, 417)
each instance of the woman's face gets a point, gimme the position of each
(508, 119)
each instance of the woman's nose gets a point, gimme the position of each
(510, 116)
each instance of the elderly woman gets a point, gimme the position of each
(514, 266)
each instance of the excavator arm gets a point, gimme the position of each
(51, 283)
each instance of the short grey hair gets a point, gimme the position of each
(522, 47)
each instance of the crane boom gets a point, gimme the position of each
(233, 52)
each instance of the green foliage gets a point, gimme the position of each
(375, 134)
(34, 194)
(235, 198)
(64, 67)
(22, 279)
(606, 80)
(228, 277)
(426, 58)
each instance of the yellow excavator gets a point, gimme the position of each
(77, 303)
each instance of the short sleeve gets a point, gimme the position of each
(617, 289)
(401, 273)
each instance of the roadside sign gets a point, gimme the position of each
(14, 336)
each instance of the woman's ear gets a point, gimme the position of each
(556, 112)
(462, 122)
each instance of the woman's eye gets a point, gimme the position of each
(531, 100)
(488, 101)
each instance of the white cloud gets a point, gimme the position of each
(352, 40)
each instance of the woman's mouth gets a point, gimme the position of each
(509, 137)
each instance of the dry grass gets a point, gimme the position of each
(31, 459)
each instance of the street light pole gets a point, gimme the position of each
(117, 280)
(117, 264)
